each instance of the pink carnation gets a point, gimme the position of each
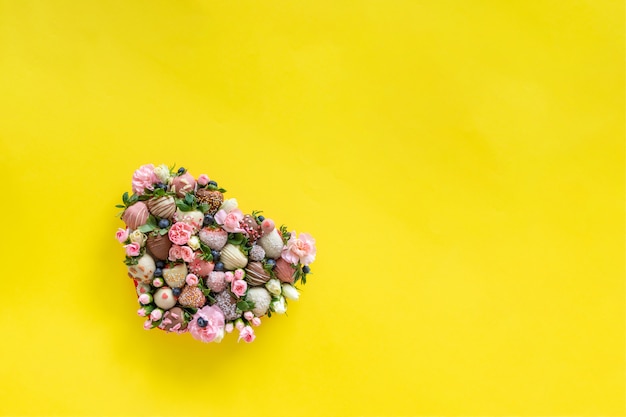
(239, 287)
(180, 233)
(121, 235)
(230, 221)
(300, 249)
(213, 330)
(247, 334)
(144, 178)
(132, 249)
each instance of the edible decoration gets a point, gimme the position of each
(199, 263)
(256, 274)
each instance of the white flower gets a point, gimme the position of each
(138, 237)
(273, 286)
(279, 307)
(290, 292)
(229, 205)
(163, 173)
(194, 242)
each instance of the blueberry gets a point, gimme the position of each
(161, 185)
(261, 218)
(202, 322)
(158, 272)
(208, 220)
(176, 292)
(163, 223)
(213, 183)
(216, 255)
(271, 263)
(306, 269)
(160, 264)
(181, 171)
(219, 267)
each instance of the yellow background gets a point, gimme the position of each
(461, 164)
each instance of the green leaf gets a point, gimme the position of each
(131, 260)
(146, 228)
(204, 207)
(182, 205)
(189, 199)
(119, 206)
(243, 305)
(125, 198)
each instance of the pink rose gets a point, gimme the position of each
(144, 178)
(300, 249)
(148, 324)
(187, 254)
(228, 276)
(239, 287)
(203, 179)
(256, 322)
(207, 324)
(239, 274)
(141, 312)
(132, 249)
(230, 221)
(248, 315)
(156, 314)
(121, 235)
(247, 334)
(192, 280)
(175, 253)
(229, 327)
(180, 233)
(145, 299)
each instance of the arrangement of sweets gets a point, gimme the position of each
(199, 264)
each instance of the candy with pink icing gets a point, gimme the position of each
(213, 238)
(143, 271)
(193, 218)
(174, 321)
(143, 288)
(267, 226)
(200, 267)
(284, 271)
(136, 215)
(183, 184)
(216, 281)
(164, 298)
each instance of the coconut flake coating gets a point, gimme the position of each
(213, 238)
(228, 304)
(216, 281)
(257, 253)
(261, 299)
